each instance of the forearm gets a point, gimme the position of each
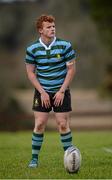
(45, 100)
(33, 79)
(68, 79)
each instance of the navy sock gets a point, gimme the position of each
(66, 140)
(37, 140)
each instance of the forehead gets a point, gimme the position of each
(47, 24)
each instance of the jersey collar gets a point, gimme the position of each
(47, 47)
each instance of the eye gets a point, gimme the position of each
(49, 27)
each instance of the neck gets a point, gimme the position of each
(47, 40)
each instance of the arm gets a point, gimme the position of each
(59, 96)
(71, 70)
(30, 68)
(32, 77)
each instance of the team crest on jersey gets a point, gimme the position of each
(58, 56)
(36, 102)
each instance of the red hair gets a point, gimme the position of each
(44, 18)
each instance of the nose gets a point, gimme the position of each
(53, 28)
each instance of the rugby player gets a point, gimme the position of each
(50, 66)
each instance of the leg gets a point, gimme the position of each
(41, 119)
(63, 122)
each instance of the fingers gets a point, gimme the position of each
(46, 103)
(42, 102)
(45, 100)
(61, 101)
(58, 100)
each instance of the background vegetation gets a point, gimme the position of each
(86, 23)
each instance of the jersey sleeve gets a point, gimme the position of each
(69, 54)
(30, 58)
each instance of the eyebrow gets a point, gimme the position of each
(50, 26)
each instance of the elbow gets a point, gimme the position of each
(31, 76)
(73, 72)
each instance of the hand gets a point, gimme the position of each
(45, 100)
(59, 96)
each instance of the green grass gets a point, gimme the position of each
(15, 153)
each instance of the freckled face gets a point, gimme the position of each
(48, 29)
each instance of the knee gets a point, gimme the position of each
(39, 126)
(63, 126)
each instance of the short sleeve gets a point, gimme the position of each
(30, 58)
(69, 54)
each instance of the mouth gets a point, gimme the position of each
(53, 34)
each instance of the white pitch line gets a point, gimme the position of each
(107, 149)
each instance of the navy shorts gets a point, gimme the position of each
(65, 107)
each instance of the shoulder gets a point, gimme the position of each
(63, 42)
(33, 45)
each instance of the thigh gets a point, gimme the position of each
(63, 123)
(41, 117)
(62, 117)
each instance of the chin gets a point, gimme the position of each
(52, 36)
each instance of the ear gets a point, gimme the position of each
(40, 30)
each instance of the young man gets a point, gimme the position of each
(50, 68)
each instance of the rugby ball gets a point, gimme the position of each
(72, 159)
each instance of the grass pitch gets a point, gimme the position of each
(15, 154)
